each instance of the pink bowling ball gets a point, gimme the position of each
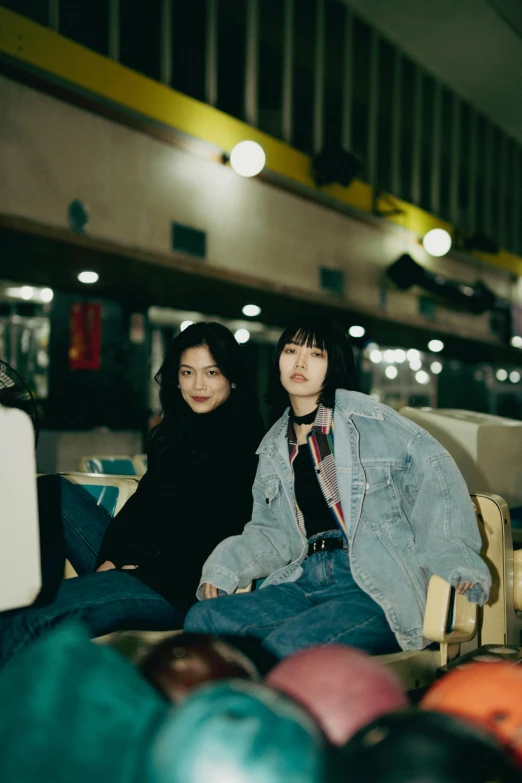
(343, 688)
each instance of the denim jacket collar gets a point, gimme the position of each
(349, 403)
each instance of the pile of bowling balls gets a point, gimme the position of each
(328, 714)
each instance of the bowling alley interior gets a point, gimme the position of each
(260, 391)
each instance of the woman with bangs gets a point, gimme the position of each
(355, 507)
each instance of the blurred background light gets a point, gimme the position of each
(251, 310)
(248, 158)
(375, 356)
(514, 376)
(356, 331)
(88, 277)
(435, 345)
(242, 335)
(437, 242)
(422, 377)
(184, 325)
(436, 367)
(391, 371)
(501, 375)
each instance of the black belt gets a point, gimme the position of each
(325, 545)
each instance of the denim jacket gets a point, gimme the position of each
(407, 511)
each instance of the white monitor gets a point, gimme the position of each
(20, 573)
(487, 449)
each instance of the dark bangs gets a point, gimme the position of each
(326, 335)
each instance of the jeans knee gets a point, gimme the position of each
(198, 618)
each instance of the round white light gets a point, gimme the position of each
(389, 356)
(516, 341)
(422, 377)
(436, 367)
(251, 310)
(46, 294)
(26, 292)
(356, 331)
(400, 355)
(501, 375)
(514, 376)
(184, 325)
(413, 355)
(391, 371)
(376, 357)
(248, 158)
(435, 345)
(88, 277)
(242, 335)
(415, 364)
(437, 242)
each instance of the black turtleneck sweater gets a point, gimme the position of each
(195, 493)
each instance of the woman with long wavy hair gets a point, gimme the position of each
(140, 570)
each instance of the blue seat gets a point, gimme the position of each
(106, 497)
(111, 466)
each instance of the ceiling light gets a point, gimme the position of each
(389, 356)
(435, 345)
(184, 325)
(26, 292)
(514, 376)
(248, 158)
(375, 356)
(415, 364)
(422, 377)
(46, 294)
(437, 242)
(242, 335)
(356, 331)
(413, 355)
(251, 310)
(436, 367)
(400, 355)
(516, 341)
(88, 277)
(501, 375)
(391, 371)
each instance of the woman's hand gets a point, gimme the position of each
(463, 587)
(209, 591)
(107, 566)
(128, 568)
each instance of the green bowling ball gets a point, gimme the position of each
(239, 732)
(423, 747)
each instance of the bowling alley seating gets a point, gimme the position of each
(140, 464)
(20, 575)
(119, 465)
(451, 623)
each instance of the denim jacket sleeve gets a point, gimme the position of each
(447, 538)
(260, 550)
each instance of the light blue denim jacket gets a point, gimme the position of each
(407, 510)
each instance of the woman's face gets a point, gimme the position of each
(203, 386)
(303, 371)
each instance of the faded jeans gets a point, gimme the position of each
(106, 601)
(324, 606)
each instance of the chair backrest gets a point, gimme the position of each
(117, 465)
(140, 464)
(110, 492)
(20, 573)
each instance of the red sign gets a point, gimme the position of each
(85, 336)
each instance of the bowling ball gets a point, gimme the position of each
(238, 731)
(489, 694)
(178, 664)
(344, 689)
(413, 746)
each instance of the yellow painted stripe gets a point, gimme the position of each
(66, 60)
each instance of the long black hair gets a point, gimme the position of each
(179, 422)
(326, 335)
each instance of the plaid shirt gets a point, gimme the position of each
(321, 445)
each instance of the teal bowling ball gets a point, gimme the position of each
(423, 747)
(239, 732)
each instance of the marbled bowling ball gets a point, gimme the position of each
(423, 747)
(181, 662)
(239, 732)
(489, 694)
(341, 687)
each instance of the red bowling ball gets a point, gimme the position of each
(181, 662)
(344, 689)
(489, 694)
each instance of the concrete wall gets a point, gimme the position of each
(135, 186)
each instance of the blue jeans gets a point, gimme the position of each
(106, 601)
(324, 606)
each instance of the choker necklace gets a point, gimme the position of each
(309, 418)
